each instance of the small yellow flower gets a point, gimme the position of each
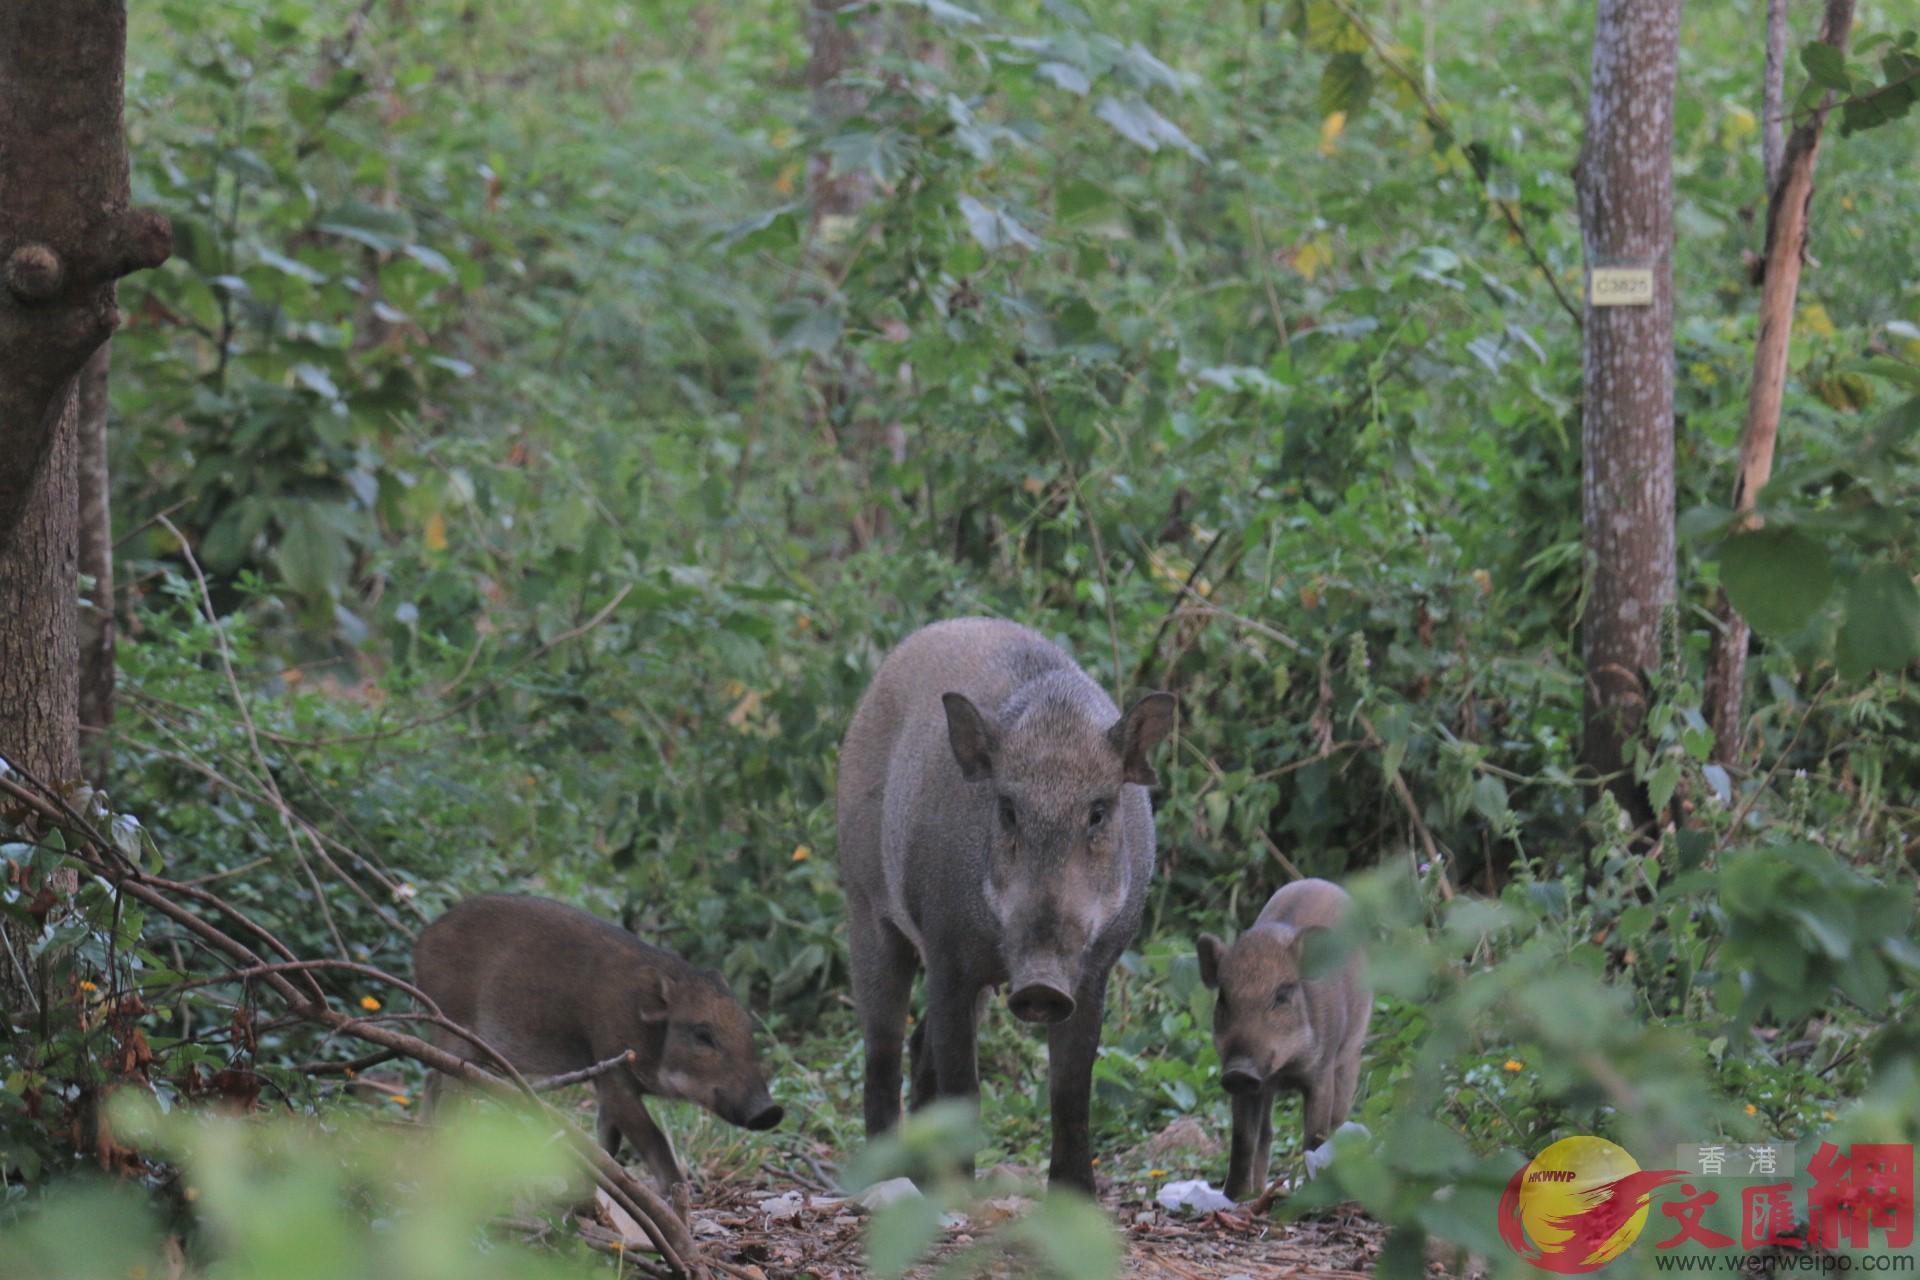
(802, 853)
(87, 986)
(1752, 1110)
(1827, 1115)
(1156, 1173)
(398, 1099)
(1512, 1064)
(369, 1003)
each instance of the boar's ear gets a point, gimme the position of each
(655, 996)
(972, 736)
(1208, 951)
(1138, 732)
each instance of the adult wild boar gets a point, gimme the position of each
(994, 829)
(1277, 1029)
(555, 989)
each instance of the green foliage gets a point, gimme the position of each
(1065, 1235)
(561, 481)
(297, 1201)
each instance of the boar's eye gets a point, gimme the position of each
(1097, 815)
(1285, 992)
(1008, 818)
(703, 1036)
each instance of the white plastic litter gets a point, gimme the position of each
(1197, 1194)
(881, 1194)
(1321, 1156)
(781, 1207)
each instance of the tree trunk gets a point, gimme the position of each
(97, 627)
(1773, 100)
(844, 37)
(66, 235)
(39, 670)
(839, 43)
(1625, 185)
(1790, 201)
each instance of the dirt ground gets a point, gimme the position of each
(786, 1231)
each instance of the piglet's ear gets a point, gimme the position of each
(1138, 732)
(972, 736)
(1208, 951)
(655, 996)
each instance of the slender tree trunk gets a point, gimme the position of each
(839, 45)
(844, 36)
(97, 628)
(1773, 95)
(1789, 203)
(66, 235)
(1625, 185)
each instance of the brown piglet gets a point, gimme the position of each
(555, 989)
(1278, 1029)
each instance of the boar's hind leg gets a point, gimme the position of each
(1071, 1048)
(609, 1134)
(924, 1079)
(1346, 1078)
(883, 966)
(923, 1082)
(1316, 1114)
(1243, 1181)
(625, 1114)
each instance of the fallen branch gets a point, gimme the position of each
(665, 1230)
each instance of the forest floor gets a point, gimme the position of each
(786, 1232)
(769, 1223)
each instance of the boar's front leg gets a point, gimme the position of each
(624, 1114)
(1263, 1147)
(1244, 1181)
(1072, 1046)
(951, 1039)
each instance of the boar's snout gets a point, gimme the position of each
(1041, 1002)
(1240, 1077)
(768, 1117)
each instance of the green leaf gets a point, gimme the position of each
(1827, 65)
(1141, 125)
(1882, 627)
(1890, 101)
(1346, 84)
(1776, 578)
(1490, 798)
(1907, 375)
(384, 230)
(1660, 786)
(1072, 1235)
(994, 227)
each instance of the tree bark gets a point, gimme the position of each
(1789, 204)
(1773, 109)
(39, 674)
(97, 626)
(67, 234)
(838, 45)
(1625, 185)
(66, 231)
